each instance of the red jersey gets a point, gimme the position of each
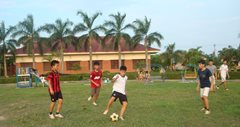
(53, 77)
(96, 77)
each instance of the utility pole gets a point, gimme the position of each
(214, 51)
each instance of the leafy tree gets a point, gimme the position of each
(60, 38)
(28, 37)
(7, 45)
(116, 31)
(194, 55)
(232, 55)
(142, 33)
(91, 32)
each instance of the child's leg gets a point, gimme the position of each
(110, 102)
(205, 101)
(124, 107)
(60, 101)
(225, 84)
(92, 92)
(95, 97)
(51, 107)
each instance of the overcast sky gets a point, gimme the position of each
(188, 23)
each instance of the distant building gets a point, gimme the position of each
(77, 60)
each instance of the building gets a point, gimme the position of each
(77, 60)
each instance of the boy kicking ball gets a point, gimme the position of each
(119, 83)
(55, 90)
(95, 79)
(204, 84)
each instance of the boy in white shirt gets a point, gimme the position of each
(224, 73)
(119, 83)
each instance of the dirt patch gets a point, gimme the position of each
(2, 118)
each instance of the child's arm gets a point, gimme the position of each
(198, 85)
(114, 79)
(50, 87)
(94, 83)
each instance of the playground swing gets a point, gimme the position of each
(24, 77)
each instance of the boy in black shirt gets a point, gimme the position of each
(204, 84)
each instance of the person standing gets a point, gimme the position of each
(224, 73)
(213, 70)
(163, 74)
(96, 82)
(204, 85)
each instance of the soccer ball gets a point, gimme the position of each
(114, 117)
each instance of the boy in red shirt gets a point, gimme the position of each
(55, 90)
(96, 81)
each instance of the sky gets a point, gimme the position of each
(187, 23)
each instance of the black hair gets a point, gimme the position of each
(124, 68)
(146, 71)
(96, 63)
(210, 60)
(202, 62)
(54, 62)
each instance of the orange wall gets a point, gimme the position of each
(106, 66)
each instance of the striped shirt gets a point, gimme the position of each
(53, 77)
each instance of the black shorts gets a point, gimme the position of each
(122, 98)
(56, 96)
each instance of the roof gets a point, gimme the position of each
(96, 47)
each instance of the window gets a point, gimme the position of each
(46, 66)
(73, 65)
(115, 64)
(140, 63)
(26, 64)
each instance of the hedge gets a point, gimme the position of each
(131, 76)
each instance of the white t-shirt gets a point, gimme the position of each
(120, 83)
(223, 69)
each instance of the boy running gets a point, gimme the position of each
(119, 83)
(204, 84)
(96, 81)
(224, 73)
(55, 90)
(213, 70)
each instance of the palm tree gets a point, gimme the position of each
(91, 32)
(28, 37)
(6, 45)
(142, 29)
(61, 37)
(116, 32)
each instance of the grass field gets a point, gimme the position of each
(169, 104)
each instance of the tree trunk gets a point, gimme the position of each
(90, 55)
(119, 56)
(62, 59)
(33, 58)
(146, 55)
(5, 65)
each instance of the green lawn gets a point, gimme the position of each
(169, 104)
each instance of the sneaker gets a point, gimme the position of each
(94, 103)
(226, 89)
(51, 116)
(105, 112)
(121, 118)
(59, 115)
(207, 112)
(217, 87)
(90, 98)
(203, 109)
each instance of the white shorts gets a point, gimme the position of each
(204, 91)
(223, 77)
(214, 80)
